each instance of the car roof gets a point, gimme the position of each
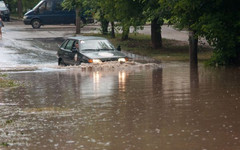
(85, 38)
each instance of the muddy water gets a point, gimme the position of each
(169, 108)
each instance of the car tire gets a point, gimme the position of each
(61, 62)
(36, 24)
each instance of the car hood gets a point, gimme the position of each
(103, 54)
(30, 12)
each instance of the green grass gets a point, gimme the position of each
(171, 50)
(6, 83)
(4, 144)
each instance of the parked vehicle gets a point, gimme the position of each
(4, 11)
(49, 12)
(88, 49)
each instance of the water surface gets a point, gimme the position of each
(140, 108)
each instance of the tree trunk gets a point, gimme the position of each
(112, 32)
(20, 9)
(125, 32)
(104, 23)
(78, 21)
(156, 36)
(238, 54)
(193, 49)
(104, 26)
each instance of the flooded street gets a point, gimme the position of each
(165, 106)
(123, 109)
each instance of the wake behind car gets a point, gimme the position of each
(88, 49)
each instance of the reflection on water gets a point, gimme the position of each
(122, 81)
(169, 108)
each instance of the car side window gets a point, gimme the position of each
(69, 45)
(75, 46)
(45, 6)
(42, 7)
(58, 6)
(49, 6)
(64, 44)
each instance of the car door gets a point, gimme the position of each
(65, 51)
(63, 16)
(70, 52)
(45, 12)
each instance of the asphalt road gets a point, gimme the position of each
(64, 30)
(23, 45)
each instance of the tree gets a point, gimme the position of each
(77, 5)
(20, 8)
(186, 14)
(21, 5)
(155, 12)
(107, 14)
(127, 16)
(221, 26)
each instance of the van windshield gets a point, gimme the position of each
(35, 8)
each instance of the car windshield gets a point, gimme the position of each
(2, 5)
(95, 45)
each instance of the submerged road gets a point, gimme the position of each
(134, 106)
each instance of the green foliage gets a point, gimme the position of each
(216, 20)
(4, 83)
(27, 5)
(220, 25)
(4, 144)
(72, 4)
(156, 9)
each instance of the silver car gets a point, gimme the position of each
(88, 49)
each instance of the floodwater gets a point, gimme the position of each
(169, 107)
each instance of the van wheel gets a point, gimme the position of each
(36, 24)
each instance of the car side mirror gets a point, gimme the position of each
(119, 48)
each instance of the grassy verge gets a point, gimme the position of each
(172, 50)
(6, 83)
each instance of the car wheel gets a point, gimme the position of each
(36, 24)
(61, 62)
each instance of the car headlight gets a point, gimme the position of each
(95, 61)
(122, 59)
